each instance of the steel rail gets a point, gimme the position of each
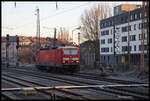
(40, 88)
(70, 87)
(106, 90)
(97, 77)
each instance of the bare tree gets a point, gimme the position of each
(63, 34)
(90, 21)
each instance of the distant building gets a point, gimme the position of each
(87, 54)
(114, 36)
(12, 50)
(24, 42)
(124, 8)
(27, 46)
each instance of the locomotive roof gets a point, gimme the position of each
(48, 48)
(67, 47)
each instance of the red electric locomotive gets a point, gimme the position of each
(64, 58)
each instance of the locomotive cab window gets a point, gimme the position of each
(70, 52)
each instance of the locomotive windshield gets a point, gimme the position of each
(70, 52)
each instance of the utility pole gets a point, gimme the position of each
(37, 32)
(143, 34)
(147, 27)
(79, 39)
(128, 64)
(54, 42)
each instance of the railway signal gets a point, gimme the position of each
(7, 46)
(7, 37)
(17, 40)
(17, 46)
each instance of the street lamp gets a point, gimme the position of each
(78, 28)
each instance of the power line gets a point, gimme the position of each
(63, 11)
(53, 15)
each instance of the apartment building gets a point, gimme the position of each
(114, 37)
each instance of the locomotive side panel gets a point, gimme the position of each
(58, 56)
(61, 59)
(47, 57)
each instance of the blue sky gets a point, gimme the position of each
(22, 19)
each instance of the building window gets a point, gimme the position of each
(132, 38)
(129, 27)
(122, 19)
(125, 48)
(131, 17)
(111, 49)
(140, 25)
(105, 33)
(102, 25)
(124, 29)
(140, 15)
(106, 23)
(110, 23)
(104, 49)
(134, 47)
(124, 39)
(134, 26)
(145, 15)
(139, 36)
(135, 16)
(102, 33)
(145, 47)
(110, 40)
(103, 41)
(108, 59)
(139, 47)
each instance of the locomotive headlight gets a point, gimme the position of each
(75, 58)
(65, 58)
(77, 61)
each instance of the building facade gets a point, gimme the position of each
(114, 34)
(12, 51)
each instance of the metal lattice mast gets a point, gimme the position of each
(143, 34)
(37, 43)
(38, 30)
(147, 10)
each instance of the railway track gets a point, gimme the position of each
(99, 77)
(112, 90)
(22, 81)
(28, 83)
(94, 77)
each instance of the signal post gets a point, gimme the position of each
(17, 46)
(7, 50)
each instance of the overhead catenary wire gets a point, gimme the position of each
(42, 19)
